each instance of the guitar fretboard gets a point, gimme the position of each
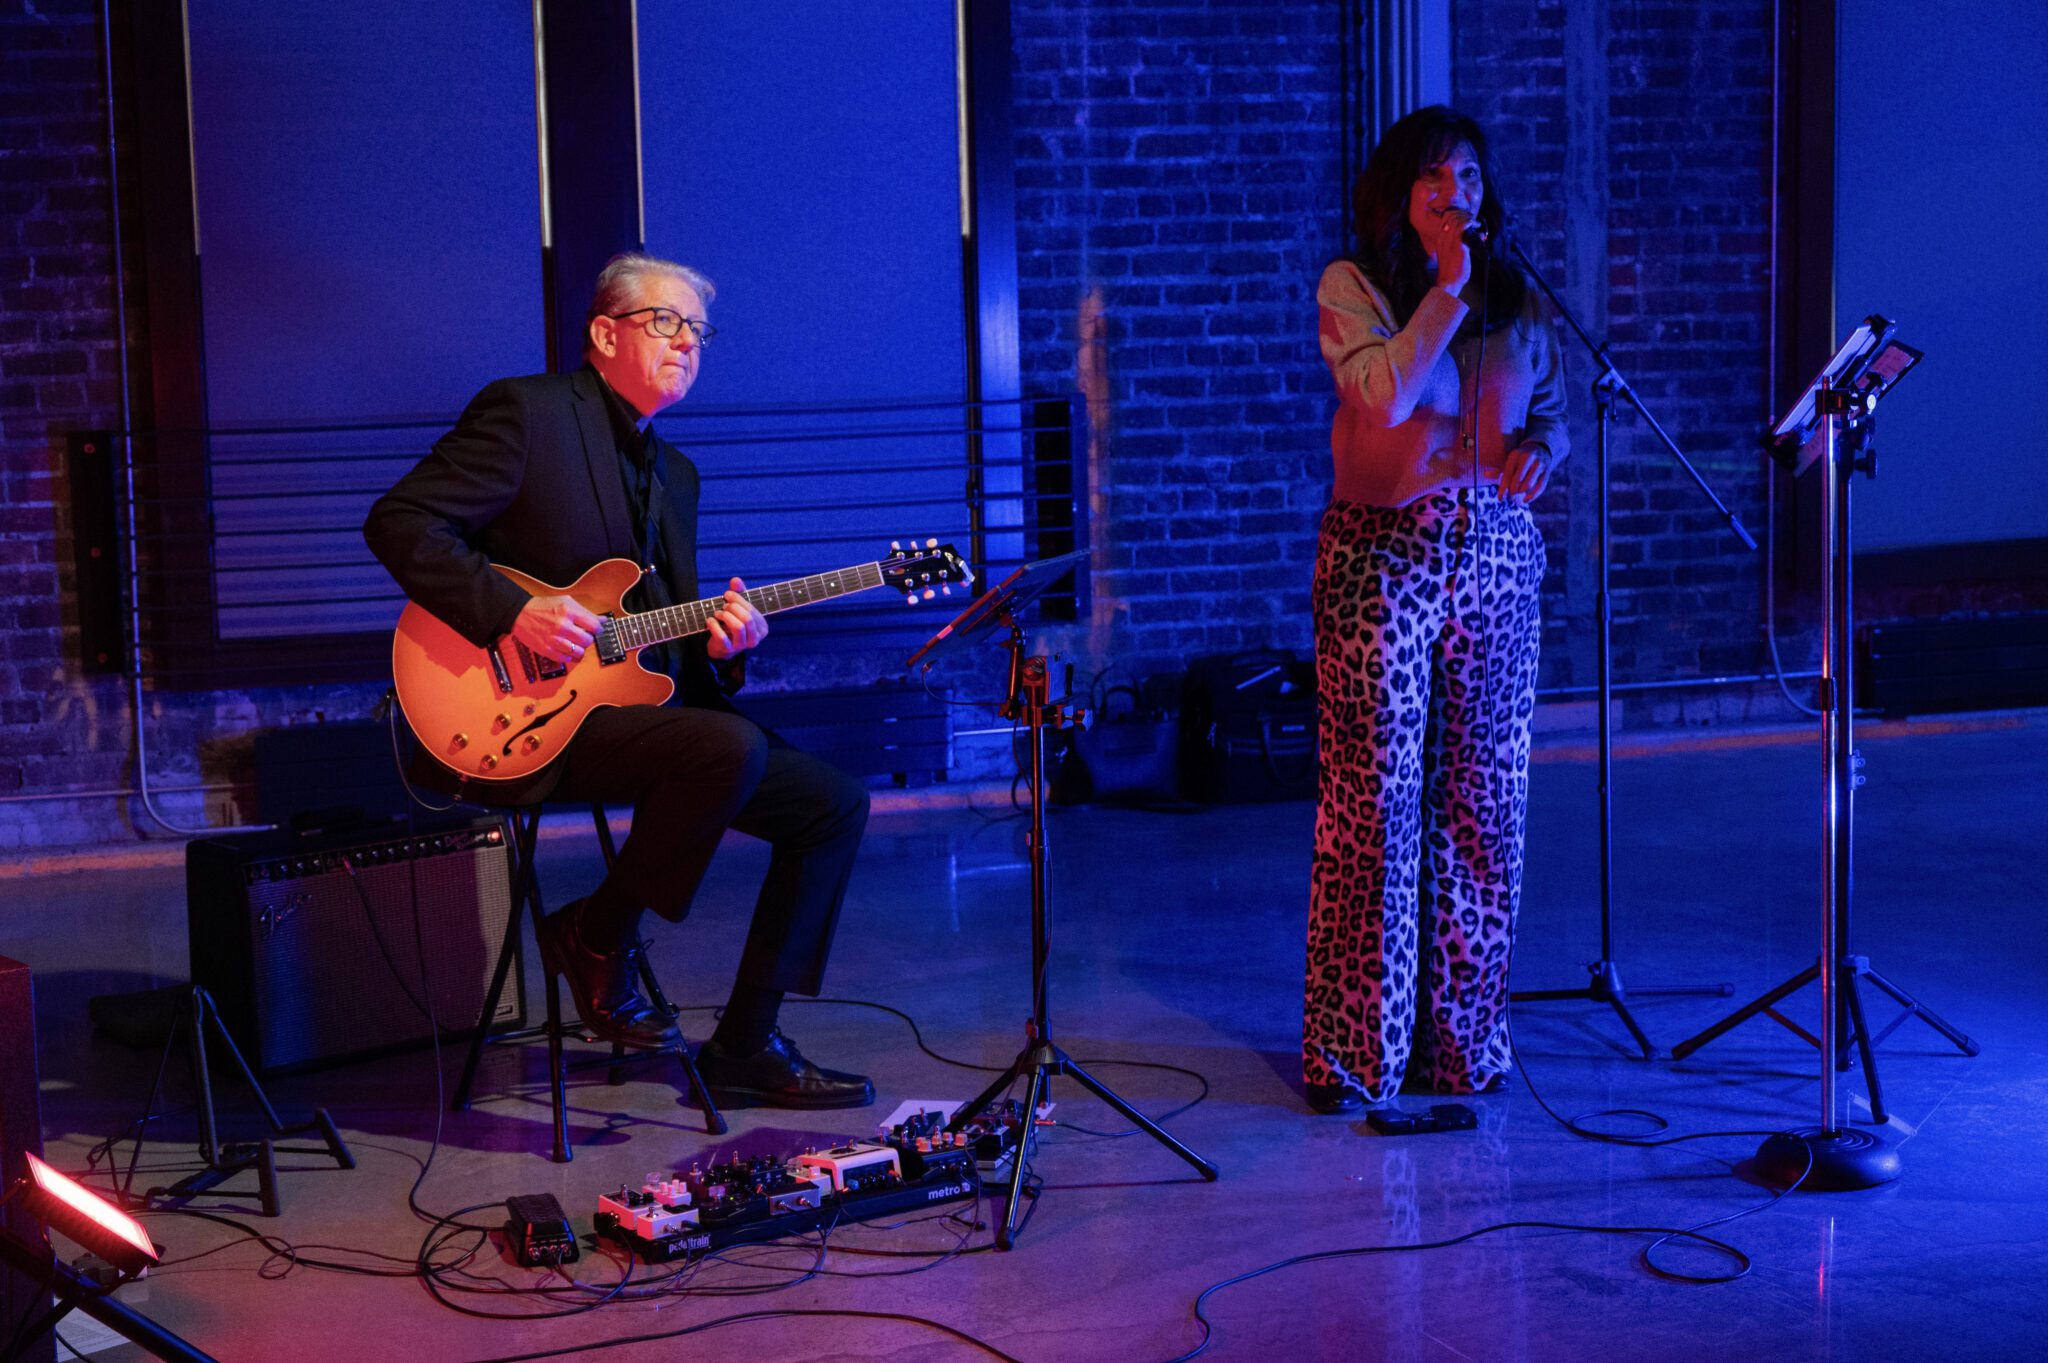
(694, 617)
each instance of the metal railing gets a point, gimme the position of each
(234, 558)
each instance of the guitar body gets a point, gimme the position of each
(457, 703)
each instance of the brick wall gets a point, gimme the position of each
(1687, 104)
(59, 364)
(1177, 166)
(1180, 163)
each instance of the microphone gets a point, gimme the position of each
(1475, 233)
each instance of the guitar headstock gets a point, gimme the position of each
(923, 572)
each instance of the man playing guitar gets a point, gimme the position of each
(549, 475)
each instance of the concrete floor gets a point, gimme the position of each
(1178, 941)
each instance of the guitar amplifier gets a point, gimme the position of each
(312, 944)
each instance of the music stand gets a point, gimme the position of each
(1028, 701)
(1839, 407)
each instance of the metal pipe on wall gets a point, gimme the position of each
(142, 790)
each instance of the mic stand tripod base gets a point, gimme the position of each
(1826, 1161)
(1041, 1060)
(1605, 987)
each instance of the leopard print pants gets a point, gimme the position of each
(1426, 640)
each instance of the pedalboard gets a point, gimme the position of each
(913, 1162)
(1390, 1121)
(740, 1202)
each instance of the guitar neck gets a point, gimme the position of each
(694, 617)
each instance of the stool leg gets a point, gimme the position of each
(562, 1154)
(557, 1091)
(614, 1073)
(522, 852)
(714, 1120)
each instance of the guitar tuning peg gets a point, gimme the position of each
(910, 597)
(896, 546)
(946, 590)
(928, 593)
(931, 542)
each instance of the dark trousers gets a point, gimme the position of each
(691, 774)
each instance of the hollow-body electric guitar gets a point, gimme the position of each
(503, 713)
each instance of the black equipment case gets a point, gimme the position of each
(1248, 728)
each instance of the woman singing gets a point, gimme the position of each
(1450, 420)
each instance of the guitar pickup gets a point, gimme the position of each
(498, 667)
(609, 649)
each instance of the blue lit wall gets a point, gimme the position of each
(369, 205)
(1940, 182)
(807, 159)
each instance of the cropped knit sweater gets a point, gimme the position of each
(1398, 431)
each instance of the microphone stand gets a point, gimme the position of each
(1605, 984)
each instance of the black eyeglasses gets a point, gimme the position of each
(667, 322)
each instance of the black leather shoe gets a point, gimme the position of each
(605, 986)
(777, 1075)
(1330, 1099)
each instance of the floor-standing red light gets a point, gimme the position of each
(68, 1207)
(74, 1211)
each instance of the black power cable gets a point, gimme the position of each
(776, 1314)
(1662, 1232)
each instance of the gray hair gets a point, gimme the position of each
(619, 281)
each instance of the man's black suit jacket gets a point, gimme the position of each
(529, 477)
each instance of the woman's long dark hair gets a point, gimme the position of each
(1389, 254)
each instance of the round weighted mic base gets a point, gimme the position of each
(1832, 1161)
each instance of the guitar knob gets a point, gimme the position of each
(502, 722)
(458, 743)
(490, 761)
(532, 743)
